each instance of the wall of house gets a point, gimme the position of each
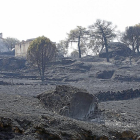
(21, 49)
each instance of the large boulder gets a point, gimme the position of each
(116, 49)
(71, 102)
(106, 74)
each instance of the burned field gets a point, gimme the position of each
(28, 106)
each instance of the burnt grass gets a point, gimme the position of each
(116, 85)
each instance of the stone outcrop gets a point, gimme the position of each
(116, 49)
(70, 101)
(106, 74)
(51, 128)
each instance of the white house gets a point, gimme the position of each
(22, 47)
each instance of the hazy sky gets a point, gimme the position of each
(25, 19)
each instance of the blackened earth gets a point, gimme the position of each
(22, 116)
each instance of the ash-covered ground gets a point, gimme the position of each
(91, 73)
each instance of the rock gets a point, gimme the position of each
(70, 101)
(130, 77)
(116, 49)
(103, 138)
(79, 67)
(4, 83)
(127, 134)
(7, 129)
(106, 74)
(67, 61)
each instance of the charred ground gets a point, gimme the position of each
(116, 84)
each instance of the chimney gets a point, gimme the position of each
(0, 35)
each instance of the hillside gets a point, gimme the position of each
(116, 84)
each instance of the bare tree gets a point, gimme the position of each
(103, 32)
(131, 37)
(78, 35)
(137, 33)
(62, 48)
(10, 42)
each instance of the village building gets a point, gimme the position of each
(22, 47)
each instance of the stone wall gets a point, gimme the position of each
(120, 95)
(11, 63)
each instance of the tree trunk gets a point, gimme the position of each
(107, 57)
(79, 49)
(137, 46)
(106, 47)
(105, 43)
(42, 74)
(133, 48)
